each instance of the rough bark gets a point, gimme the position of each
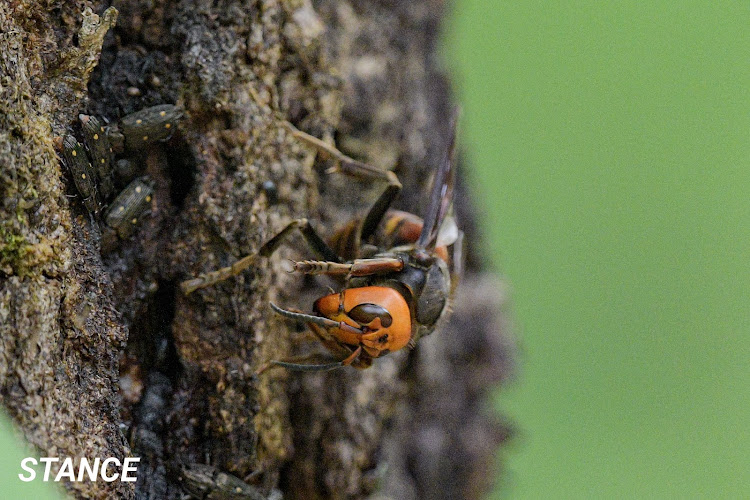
(100, 355)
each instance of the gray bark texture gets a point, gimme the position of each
(100, 353)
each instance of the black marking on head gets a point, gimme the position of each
(364, 314)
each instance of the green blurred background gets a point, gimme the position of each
(12, 452)
(610, 146)
(610, 141)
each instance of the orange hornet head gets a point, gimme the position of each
(380, 311)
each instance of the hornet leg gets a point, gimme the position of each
(295, 363)
(356, 168)
(315, 242)
(358, 267)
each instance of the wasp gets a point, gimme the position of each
(399, 271)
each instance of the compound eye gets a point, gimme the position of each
(364, 314)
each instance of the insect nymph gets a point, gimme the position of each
(399, 271)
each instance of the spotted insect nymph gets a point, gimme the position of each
(398, 270)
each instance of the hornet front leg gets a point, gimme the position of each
(314, 241)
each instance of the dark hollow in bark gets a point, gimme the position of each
(100, 354)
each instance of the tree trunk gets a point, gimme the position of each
(100, 353)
